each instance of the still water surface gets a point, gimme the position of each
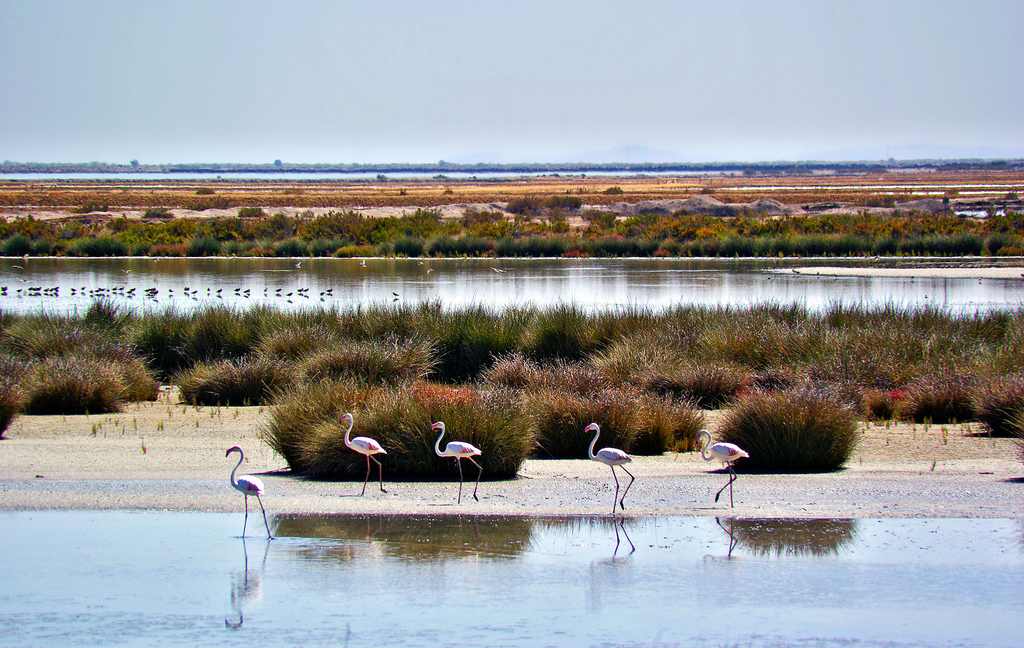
(89, 578)
(591, 283)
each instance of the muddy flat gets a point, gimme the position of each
(171, 457)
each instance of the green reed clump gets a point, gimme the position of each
(997, 401)
(513, 371)
(251, 381)
(73, 384)
(383, 362)
(304, 427)
(708, 386)
(797, 430)
(16, 245)
(941, 398)
(410, 246)
(203, 246)
(560, 333)
(468, 341)
(629, 420)
(98, 247)
(12, 394)
(291, 343)
(162, 340)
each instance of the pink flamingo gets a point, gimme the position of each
(366, 447)
(458, 450)
(727, 453)
(611, 457)
(247, 486)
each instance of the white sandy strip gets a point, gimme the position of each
(1001, 272)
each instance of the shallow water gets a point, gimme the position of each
(591, 283)
(87, 578)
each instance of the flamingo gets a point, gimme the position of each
(610, 457)
(247, 486)
(367, 447)
(458, 450)
(727, 453)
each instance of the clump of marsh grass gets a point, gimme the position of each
(942, 398)
(12, 395)
(383, 362)
(512, 371)
(626, 359)
(73, 385)
(246, 382)
(708, 386)
(797, 430)
(400, 420)
(292, 343)
(559, 333)
(997, 401)
(629, 419)
(880, 405)
(468, 341)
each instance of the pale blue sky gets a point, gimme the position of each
(333, 81)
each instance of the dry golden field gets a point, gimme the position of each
(853, 190)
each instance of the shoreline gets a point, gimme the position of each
(97, 463)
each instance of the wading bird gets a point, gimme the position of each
(458, 450)
(611, 457)
(727, 453)
(366, 447)
(247, 486)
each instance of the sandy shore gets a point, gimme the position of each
(1000, 272)
(170, 457)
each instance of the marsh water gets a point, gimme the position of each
(70, 284)
(122, 578)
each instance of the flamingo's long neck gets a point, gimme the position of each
(705, 441)
(593, 442)
(234, 480)
(348, 432)
(437, 444)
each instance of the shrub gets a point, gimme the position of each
(467, 341)
(203, 246)
(614, 191)
(12, 399)
(559, 333)
(251, 212)
(939, 399)
(247, 382)
(628, 419)
(161, 339)
(205, 191)
(139, 384)
(218, 333)
(570, 203)
(98, 247)
(512, 371)
(73, 385)
(707, 386)
(410, 246)
(158, 213)
(523, 206)
(304, 428)
(881, 405)
(296, 342)
(574, 377)
(291, 248)
(796, 430)
(16, 245)
(375, 362)
(997, 401)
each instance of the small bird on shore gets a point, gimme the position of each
(458, 450)
(247, 485)
(727, 453)
(611, 457)
(366, 447)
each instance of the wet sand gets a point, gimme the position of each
(157, 456)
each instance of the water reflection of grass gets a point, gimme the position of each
(408, 538)
(776, 538)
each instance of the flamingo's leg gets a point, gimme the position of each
(615, 497)
(269, 536)
(458, 462)
(478, 476)
(367, 478)
(631, 480)
(380, 472)
(245, 520)
(727, 485)
(733, 473)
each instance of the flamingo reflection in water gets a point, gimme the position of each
(247, 589)
(621, 525)
(733, 541)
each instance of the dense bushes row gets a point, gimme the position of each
(529, 233)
